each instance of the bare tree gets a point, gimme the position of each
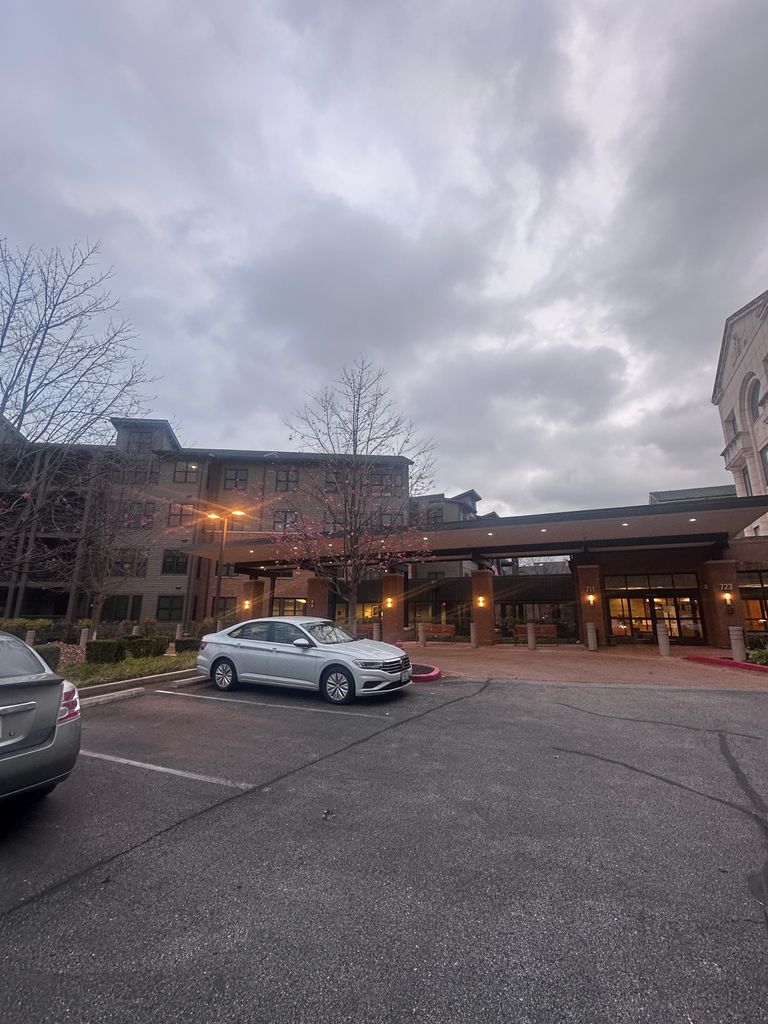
(372, 462)
(66, 367)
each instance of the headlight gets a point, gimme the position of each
(369, 664)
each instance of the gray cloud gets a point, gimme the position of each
(537, 216)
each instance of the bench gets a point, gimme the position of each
(544, 631)
(437, 629)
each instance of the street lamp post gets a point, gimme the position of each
(220, 567)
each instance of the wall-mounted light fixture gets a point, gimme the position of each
(481, 602)
(389, 603)
(246, 604)
(591, 599)
(728, 598)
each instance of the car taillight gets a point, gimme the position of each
(70, 703)
(202, 645)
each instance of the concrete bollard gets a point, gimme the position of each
(422, 634)
(83, 637)
(377, 631)
(738, 647)
(95, 634)
(531, 636)
(219, 625)
(136, 631)
(662, 635)
(171, 650)
(591, 636)
(30, 637)
(473, 635)
(179, 632)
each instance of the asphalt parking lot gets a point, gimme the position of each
(472, 850)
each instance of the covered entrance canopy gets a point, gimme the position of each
(689, 538)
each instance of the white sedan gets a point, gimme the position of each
(312, 654)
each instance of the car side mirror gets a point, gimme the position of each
(302, 642)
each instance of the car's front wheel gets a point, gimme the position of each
(338, 686)
(224, 675)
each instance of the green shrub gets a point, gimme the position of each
(50, 654)
(105, 652)
(187, 644)
(147, 646)
(759, 657)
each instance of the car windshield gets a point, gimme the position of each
(329, 633)
(18, 660)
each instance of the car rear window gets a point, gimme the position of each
(18, 660)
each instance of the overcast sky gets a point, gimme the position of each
(536, 215)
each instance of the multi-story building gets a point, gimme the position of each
(740, 394)
(164, 499)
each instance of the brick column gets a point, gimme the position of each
(392, 606)
(483, 611)
(258, 590)
(718, 611)
(590, 602)
(318, 597)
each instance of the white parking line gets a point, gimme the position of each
(266, 704)
(168, 771)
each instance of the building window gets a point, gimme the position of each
(284, 520)
(137, 515)
(174, 562)
(139, 442)
(170, 608)
(289, 606)
(186, 473)
(235, 479)
(180, 514)
(122, 608)
(435, 515)
(226, 605)
(764, 462)
(129, 563)
(288, 479)
(385, 520)
(747, 482)
(331, 484)
(753, 400)
(730, 427)
(228, 569)
(435, 575)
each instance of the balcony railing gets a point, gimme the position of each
(737, 449)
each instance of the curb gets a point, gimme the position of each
(427, 677)
(108, 698)
(750, 666)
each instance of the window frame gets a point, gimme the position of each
(186, 475)
(232, 478)
(175, 602)
(182, 517)
(290, 479)
(167, 561)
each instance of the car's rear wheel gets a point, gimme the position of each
(338, 686)
(224, 675)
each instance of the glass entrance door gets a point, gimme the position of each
(635, 618)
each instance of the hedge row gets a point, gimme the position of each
(187, 644)
(109, 652)
(50, 654)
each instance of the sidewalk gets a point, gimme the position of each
(575, 664)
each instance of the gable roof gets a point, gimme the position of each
(758, 306)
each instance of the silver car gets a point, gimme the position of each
(39, 722)
(314, 654)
